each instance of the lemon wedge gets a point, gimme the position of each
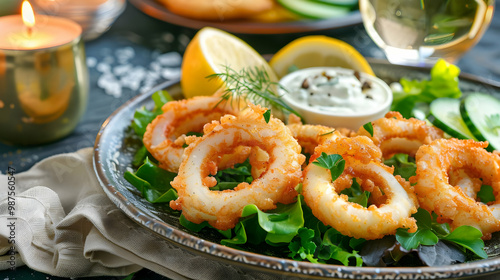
(210, 51)
(315, 51)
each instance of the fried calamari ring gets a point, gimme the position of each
(295, 120)
(441, 159)
(309, 136)
(164, 137)
(276, 183)
(395, 134)
(362, 162)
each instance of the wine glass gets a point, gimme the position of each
(419, 32)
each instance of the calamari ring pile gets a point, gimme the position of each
(395, 134)
(442, 159)
(450, 172)
(362, 162)
(164, 137)
(276, 183)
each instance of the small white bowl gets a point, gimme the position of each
(335, 117)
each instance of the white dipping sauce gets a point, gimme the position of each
(335, 91)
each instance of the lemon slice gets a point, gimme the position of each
(315, 51)
(211, 51)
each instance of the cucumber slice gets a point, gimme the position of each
(445, 114)
(314, 10)
(346, 3)
(478, 111)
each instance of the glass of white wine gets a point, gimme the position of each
(419, 32)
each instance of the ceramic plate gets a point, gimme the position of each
(114, 150)
(158, 11)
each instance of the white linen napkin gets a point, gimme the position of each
(63, 224)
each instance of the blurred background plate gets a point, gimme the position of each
(115, 147)
(157, 10)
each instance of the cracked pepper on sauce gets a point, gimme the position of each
(334, 91)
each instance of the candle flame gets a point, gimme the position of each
(27, 14)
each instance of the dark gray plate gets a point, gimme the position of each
(114, 150)
(158, 11)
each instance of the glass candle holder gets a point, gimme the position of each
(94, 16)
(44, 80)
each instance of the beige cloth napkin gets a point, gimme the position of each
(65, 225)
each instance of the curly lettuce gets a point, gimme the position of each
(443, 82)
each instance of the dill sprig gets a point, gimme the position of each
(253, 85)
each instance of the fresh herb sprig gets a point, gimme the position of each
(335, 163)
(369, 128)
(253, 85)
(318, 243)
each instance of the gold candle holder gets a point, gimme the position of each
(44, 81)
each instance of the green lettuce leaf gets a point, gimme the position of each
(332, 248)
(403, 165)
(356, 194)
(198, 227)
(281, 224)
(485, 194)
(469, 238)
(140, 156)
(429, 232)
(424, 234)
(411, 241)
(228, 179)
(192, 226)
(143, 116)
(443, 83)
(239, 238)
(318, 243)
(153, 182)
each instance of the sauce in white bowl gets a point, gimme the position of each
(336, 97)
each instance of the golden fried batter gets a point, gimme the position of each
(395, 134)
(439, 188)
(362, 161)
(276, 182)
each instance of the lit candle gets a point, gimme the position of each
(28, 17)
(21, 32)
(43, 77)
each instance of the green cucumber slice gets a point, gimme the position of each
(478, 110)
(445, 114)
(346, 3)
(314, 10)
